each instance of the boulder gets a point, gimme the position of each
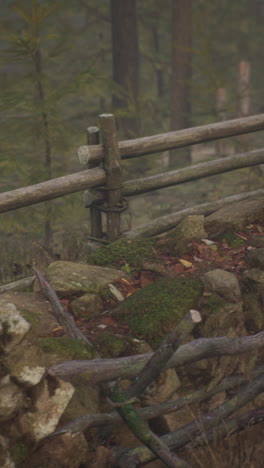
(232, 217)
(191, 228)
(75, 279)
(255, 258)
(49, 400)
(152, 312)
(87, 306)
(13, 327)
(224, 283)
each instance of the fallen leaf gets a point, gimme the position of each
(185, 263)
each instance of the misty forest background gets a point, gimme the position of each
(158, 65)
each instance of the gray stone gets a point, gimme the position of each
(257, 241)
(49, 403)
(232, 217)
(69, 278)
(88, 306)
(189, 229)
(255, 258)
(11, 400)
(13, 327)
(255, 277)
(224, 283)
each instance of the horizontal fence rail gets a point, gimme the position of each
(50, 189)
(167, 222)
(197, 171)
(106, 190)
(173, 140)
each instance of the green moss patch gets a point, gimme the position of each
(231, 239)
(19, 452)
(125, 252)
(69, 348)
(112, 346)
(152, 312)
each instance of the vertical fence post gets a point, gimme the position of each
(112, 166)
(95, 214)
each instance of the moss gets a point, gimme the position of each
(155, 310)
(214, 303)
(67, 347)
(19, 452)
(111, 345)
(29, 316)
(125, 252)
(231, 239)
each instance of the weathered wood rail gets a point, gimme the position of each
(107, 190)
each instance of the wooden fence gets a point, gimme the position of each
(107, 192)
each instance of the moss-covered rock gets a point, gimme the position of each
(155, 310)
(189, 229)
(125, 252)
(230, 238)
(68, 348)
(113, 346)
(19, 452)
(76, 279)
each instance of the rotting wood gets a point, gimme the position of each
(50, 189)
(197, 171)
(113, 169)
(173, 140)
(167, 222)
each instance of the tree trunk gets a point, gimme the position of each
(37, 60)
(181, 44)
(125, 64)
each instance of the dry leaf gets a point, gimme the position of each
(185, 263)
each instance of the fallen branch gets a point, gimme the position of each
(64, 318)
(148, 374)
(180, 438)
(167, 222)
(97, 420)
(17, 285)
(103, 370)
(229, 427)
(161, 356)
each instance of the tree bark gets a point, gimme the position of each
(181, 46)
(125, 63)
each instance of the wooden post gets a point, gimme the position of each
(95, 214)
(113, 169)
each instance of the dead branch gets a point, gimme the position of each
(178, 439)
(104, 370)
(64, 318)
(97, 420)
(150, 372)
(161, 356)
